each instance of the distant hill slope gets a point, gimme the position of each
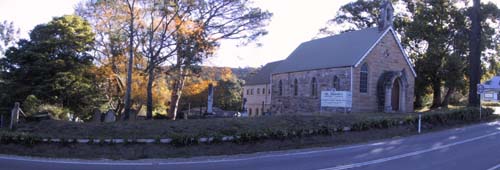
(243, 73)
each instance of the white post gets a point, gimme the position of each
(419, 122)
(480, 109)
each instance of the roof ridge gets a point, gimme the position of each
(341, 34)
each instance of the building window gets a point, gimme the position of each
(268, 91)
(295, 87)
(250, 112)
(256, 111)
(336, 83)
(363, 79)
(248, 91)
(251, 91)
(314, 87)
(258, 90)
(280, 86)
(263, 90)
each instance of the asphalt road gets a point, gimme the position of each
(474, 147)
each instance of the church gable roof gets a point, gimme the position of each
(263, 75)
(340, 50)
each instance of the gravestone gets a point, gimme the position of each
(97, 116)
(110, 116)
(14, 116)
(210, 100)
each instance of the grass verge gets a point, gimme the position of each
(365, 127)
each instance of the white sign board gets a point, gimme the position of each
(490, 96)
(480, 88)
(336, 99)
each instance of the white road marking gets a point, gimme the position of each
(495, 167)
(376, 161)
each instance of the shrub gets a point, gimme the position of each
(30, 105)
(55, 112)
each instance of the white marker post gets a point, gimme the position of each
(480, 90)
(419, 122)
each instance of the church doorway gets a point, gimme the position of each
(395, 97)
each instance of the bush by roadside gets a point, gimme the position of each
(190, 132)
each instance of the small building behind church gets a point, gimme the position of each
(367, 68)
(257, 91)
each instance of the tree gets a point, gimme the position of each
(228, 94)
(111, 21)
(475, 53)
(54, 66)
(8, 36)
(227, 89)
(131, 29)
(209, 22)
(163, 19)
(361, 14)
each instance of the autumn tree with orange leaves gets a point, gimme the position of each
(209, 22)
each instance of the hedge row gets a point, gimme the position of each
(245, 135)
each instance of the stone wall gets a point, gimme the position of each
(386, 56)
(305, 102)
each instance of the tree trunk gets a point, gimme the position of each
(130, 61)
(176, 95)
(446, 99)
(149, 103)
(436, 95)
(475, 54)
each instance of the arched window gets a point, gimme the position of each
(280, 86)
(295, 87)
(363, 79)
(314, 87)
(336, 83)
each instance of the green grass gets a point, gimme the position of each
(195, 127)
(221, 126)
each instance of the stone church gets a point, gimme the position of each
(369, 64)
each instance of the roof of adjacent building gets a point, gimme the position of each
(493, 83)
(340, 50)
(263, 76)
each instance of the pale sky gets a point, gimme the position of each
(293, 22)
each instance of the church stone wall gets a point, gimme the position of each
(386, 56)
(305, 102)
